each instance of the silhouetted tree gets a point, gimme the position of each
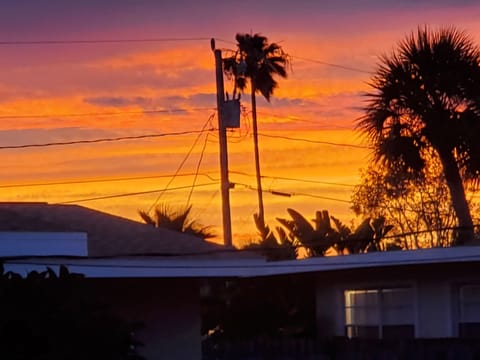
(420, 209)
(46, 316)
(427, 96)
(250, 308)
(256, 62)
(322, 237)
(273, 246)
(178, 219)
(327, 234)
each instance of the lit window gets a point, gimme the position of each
(379, 313)
(469, 324)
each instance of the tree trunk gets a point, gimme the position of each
(465, 232)
(261, 216)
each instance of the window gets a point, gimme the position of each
(379, 313)
(469, 322)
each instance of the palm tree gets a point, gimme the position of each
(257, 61)
(323, 237)
(166, 217)
(273, 246)
(316, 240)
(427, 96)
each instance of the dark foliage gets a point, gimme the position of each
(46, 316)
(273, 307)
(274, 247)
(258, 60)
(426, 95)
(177, 219)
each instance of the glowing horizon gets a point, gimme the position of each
(333, 47)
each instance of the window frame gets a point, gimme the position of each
(459, 302)
(379, 290)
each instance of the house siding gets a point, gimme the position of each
(327, 299)
(435, 303)
(168, 309)
(434, 309)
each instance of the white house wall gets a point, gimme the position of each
(435, 289)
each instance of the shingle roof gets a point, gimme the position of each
(108, 235)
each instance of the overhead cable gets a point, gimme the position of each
(102, 41)
(135, 193)
(182, 162)
(93, 141)
(293, 179)
(108, 113)
(314, 141)
(115, 179)
(290, 194)
(343, 67)
(197, 169)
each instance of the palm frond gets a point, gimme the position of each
(426, 95)
(342, 229)
(146, 218)
(177, 219)
(263, 61)
(301, 223)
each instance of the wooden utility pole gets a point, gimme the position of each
(222, 133)
(261, 211)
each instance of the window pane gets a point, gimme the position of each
(398, 316)
(362, 316)
(361, 298)
(368, 311)
(470, 304)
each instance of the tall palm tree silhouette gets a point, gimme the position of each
(427, 97)
(256, 62)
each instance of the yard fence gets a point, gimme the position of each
(342, 349)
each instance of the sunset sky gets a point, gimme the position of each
(82, 91)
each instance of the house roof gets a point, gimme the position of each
(108, 235)
(151, 267)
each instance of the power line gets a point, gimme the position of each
(111, 113)
(294, 179)
(315, 141)
(296, 118)
(137, 137)
(321, 197)
(157, 40)
(197, 169)
(343, 67)
(182, 162)
(93, 141)
(100, 41)
(290, 194)
(134, 193)
(321, 62)
(206, 205)
(133, 178)
(86, 181)
(215, 180)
